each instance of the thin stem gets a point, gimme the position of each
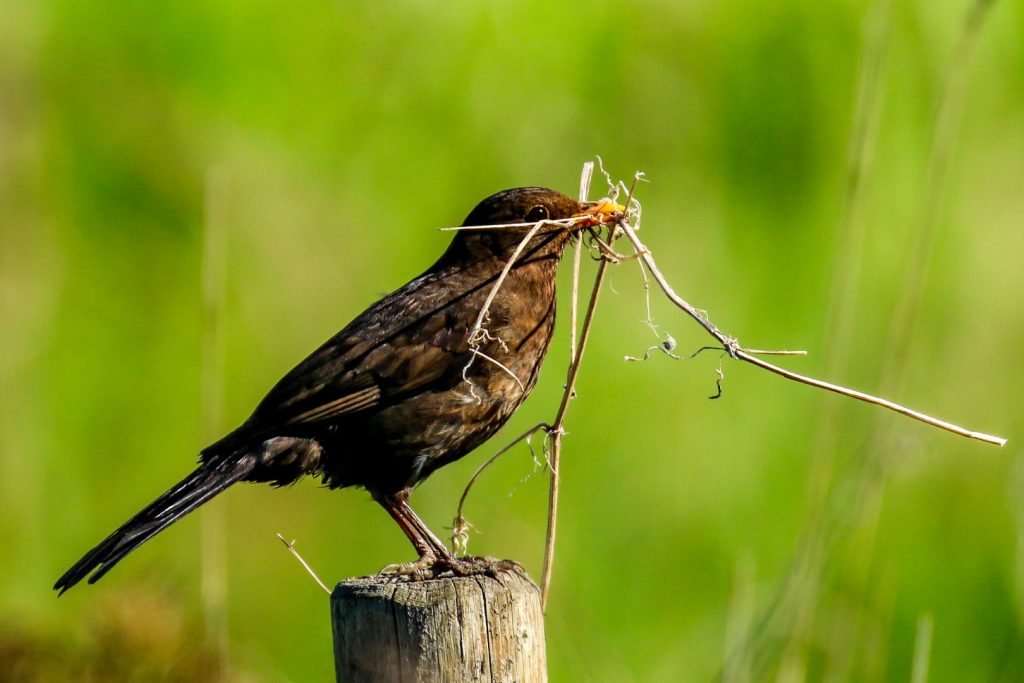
(500, 365)
(291, 548)
(574, 310)
(460, 520)
(874, 400)
(734, 349)
(485, 308)
(556, 434)
(563, 222)
(477, 334)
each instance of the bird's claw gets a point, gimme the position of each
(427, 568)
(420, 570)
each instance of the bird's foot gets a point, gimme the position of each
(429, 567)
(489, 566)
(420, 570)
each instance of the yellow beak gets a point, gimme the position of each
(599, 212)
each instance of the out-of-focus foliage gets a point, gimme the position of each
(133, 636)
(789, 532)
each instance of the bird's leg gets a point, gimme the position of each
(435, 558)
(433, 553)
(423, 539)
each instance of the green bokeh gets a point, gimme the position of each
(334, 137)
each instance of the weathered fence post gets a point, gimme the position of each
(472, 628)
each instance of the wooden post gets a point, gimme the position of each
(472, 628)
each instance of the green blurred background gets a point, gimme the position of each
(778, 533)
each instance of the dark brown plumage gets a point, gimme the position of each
(400, 391)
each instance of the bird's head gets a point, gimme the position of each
(506, 217)
(530, 205)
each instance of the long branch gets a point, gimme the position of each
(733, 348)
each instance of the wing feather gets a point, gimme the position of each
(398, 346)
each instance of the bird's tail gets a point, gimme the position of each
(212, 477)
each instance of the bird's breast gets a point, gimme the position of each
(488, 372)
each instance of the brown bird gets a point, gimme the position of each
(410, 385)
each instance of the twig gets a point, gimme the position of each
(495, 361)
(868, 398)
(293, 551)
(474, 332)
(667, 347)
(585, 177)
(477, 333)
(563, 222)
(733, 348)
(776, 352)
(577, 254)
(459, 524)
(556, 431)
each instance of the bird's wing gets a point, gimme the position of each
(397, 367)
(373, 361)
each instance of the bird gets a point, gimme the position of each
(416, 381)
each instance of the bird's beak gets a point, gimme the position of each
(598, 213)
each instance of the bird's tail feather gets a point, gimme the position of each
(212, 477)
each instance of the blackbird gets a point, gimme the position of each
(410, 385)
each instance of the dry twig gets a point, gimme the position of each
(460, 526)
(733, 348)
(557, 428)
(291, 548)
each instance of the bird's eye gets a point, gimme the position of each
(536, 214)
